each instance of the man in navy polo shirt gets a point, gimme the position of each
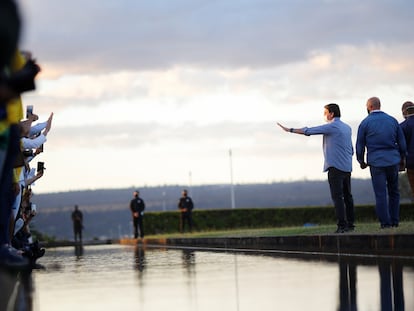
(382, 138)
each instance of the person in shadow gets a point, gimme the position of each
(186, 205)
(137, 207)
(407, 127)
(77, 219)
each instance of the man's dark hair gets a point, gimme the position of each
(335, 109)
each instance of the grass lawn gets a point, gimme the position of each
(361, 228)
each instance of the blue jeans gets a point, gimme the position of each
(340, 186)
(387, 195)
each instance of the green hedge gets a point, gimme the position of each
(225, 219)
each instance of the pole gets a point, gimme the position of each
(233, 201)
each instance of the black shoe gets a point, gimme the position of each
(394, 225)
(386, 226)
(350, 228)
(340, 230)
(36, 250)
(38, 253)
(10, 258)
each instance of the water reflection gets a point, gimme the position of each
(16, 290)
(391, 285)
(78, 250)
(347, 285)
(114, 277)
(139, 258)
(188, 256)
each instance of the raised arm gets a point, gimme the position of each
(291, 130)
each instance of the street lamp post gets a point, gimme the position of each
(233, 200)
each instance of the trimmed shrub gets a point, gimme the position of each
(225, 219)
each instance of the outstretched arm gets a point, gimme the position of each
(291, 130)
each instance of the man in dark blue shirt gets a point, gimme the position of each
(407, 127)
(137, 207)
(186, 205)
(381, 136)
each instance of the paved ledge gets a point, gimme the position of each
(367, 244)
(382, 244)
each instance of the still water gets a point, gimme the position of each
(116, 277)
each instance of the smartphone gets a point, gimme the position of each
(29, 111)
(40, 166)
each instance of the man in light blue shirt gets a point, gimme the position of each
(381, 136)
(338, 152)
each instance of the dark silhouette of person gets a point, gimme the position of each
(137, 207)
(347, 285)
(77, 219)
(391, 285)
(140, 258)
(185, 205)
(78, 251)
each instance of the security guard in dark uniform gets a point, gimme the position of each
(137, 207)
(186, 206)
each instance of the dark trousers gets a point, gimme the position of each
(340, 186)
(77, 230)
(138, 227)
(387, 194)
(186, 217)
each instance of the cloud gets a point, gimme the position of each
(164, 87)
(135, 135)
(86, 36)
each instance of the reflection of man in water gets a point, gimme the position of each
(77, 219)
(392, 290)
(347, 285)
(139, 258)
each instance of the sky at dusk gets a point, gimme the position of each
(148, 93)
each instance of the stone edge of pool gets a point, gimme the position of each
(398, 245)
(379, 244)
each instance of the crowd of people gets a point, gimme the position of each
(382, 144)
(21, 140)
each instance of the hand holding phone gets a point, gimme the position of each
(29, 111)
(40, 166)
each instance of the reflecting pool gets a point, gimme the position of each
(115, 277)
